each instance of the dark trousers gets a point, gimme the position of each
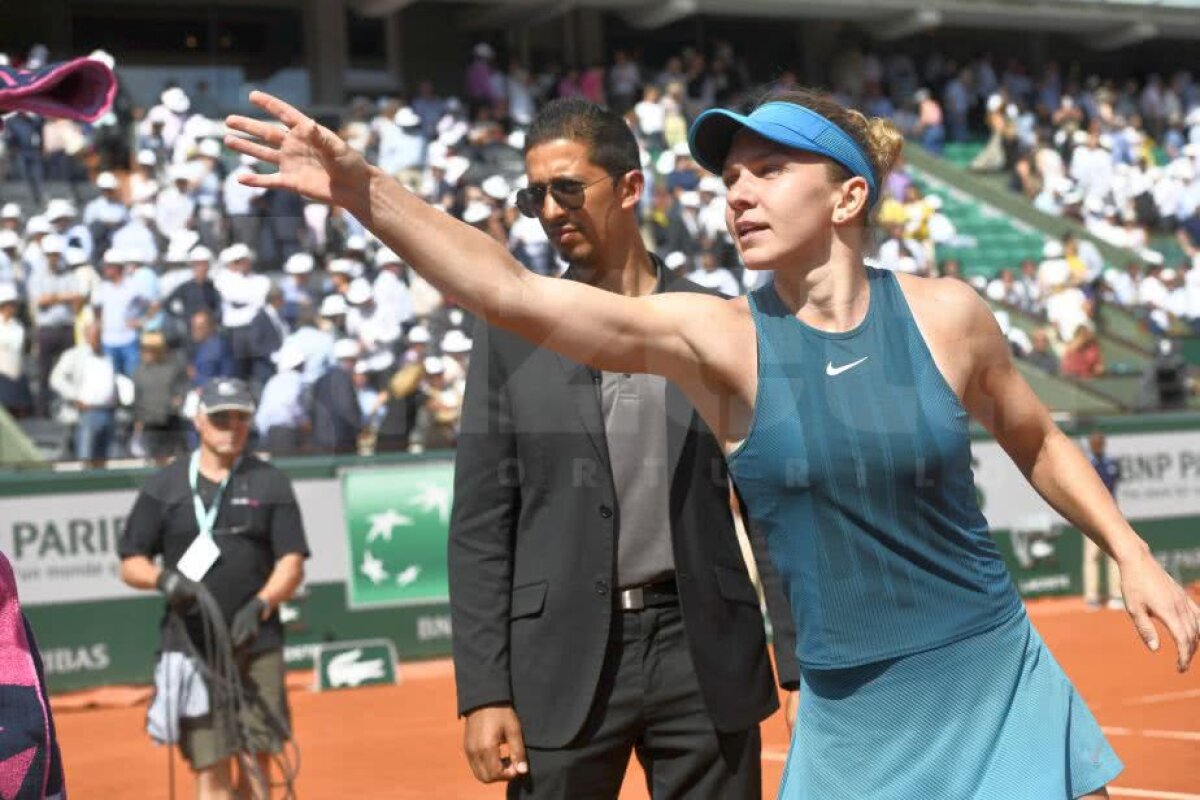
(52, 342)
(648, 702)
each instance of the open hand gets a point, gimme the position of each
(1150, 593)
(312, 160)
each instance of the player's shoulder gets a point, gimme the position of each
(947, 303)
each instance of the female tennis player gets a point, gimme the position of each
(842, 396)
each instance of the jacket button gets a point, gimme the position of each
(605, 512)
(601, 588)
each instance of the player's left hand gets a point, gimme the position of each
(790, 707)
(1150, 593)
(244, 627)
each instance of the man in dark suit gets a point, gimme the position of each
(336, 414)
(600, 602)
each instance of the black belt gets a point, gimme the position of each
(651, 595)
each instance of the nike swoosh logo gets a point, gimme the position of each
(830, 369)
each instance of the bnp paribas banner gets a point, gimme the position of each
(1160, 481)
(396, 523)
(63, 546)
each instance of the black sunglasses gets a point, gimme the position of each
(226, 419)
(567, 192)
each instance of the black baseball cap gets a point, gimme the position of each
(226, 394)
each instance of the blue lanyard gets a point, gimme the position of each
(206, 520)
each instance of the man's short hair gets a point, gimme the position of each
(609, 140)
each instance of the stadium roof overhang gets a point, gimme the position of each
(1103, 24)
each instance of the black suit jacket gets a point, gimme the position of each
(336, 416)
(533, 541)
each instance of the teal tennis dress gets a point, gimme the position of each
(922, 678)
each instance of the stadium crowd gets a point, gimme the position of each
(158, 269)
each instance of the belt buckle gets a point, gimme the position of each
(633, 599)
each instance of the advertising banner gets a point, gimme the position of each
(396, 523)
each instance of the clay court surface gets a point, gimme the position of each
(404, 741)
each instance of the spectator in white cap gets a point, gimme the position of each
(362, 306)
(483, 216)
(336, 416)
(206, 164)
(143, 182)
(711, 217)
(341, 274)
(36, 229)
(712, 275)
(137, 235)
(13, 268)
(333, 314)
(199, 293)
(1005, 288)
(315, 343)
(175, 206)
(456, 352)
(281, 419)
(65, 221)
(120, 311)
(243, 294)
(14, 386)
(370, 399)
(677, 262)
(144, 276)
(104, 214)
(418, 345)
(241, 203)
(437, 422)
(354, 250)
(1053, 272)
(297, 293)
(391, 293)
(402, 150)
(54, 298)
(167, 117)
(10, 217)
(497, 188)
(376, 330)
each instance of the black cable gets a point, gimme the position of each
(218, 666)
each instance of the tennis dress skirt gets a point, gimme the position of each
(991, 717)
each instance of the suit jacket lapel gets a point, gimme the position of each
(681, 417)
(679, 422)
(583, 385)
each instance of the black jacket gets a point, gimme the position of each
(336, 415)
(532, 549)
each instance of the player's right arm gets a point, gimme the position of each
(657, 334)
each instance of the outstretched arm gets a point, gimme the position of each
(998, 396)
(605, 330)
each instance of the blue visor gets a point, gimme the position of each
(787, 124)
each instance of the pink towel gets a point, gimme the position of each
(29, 763)
(81, 89)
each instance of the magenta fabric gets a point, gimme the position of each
(81, 89)
(27, 750)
